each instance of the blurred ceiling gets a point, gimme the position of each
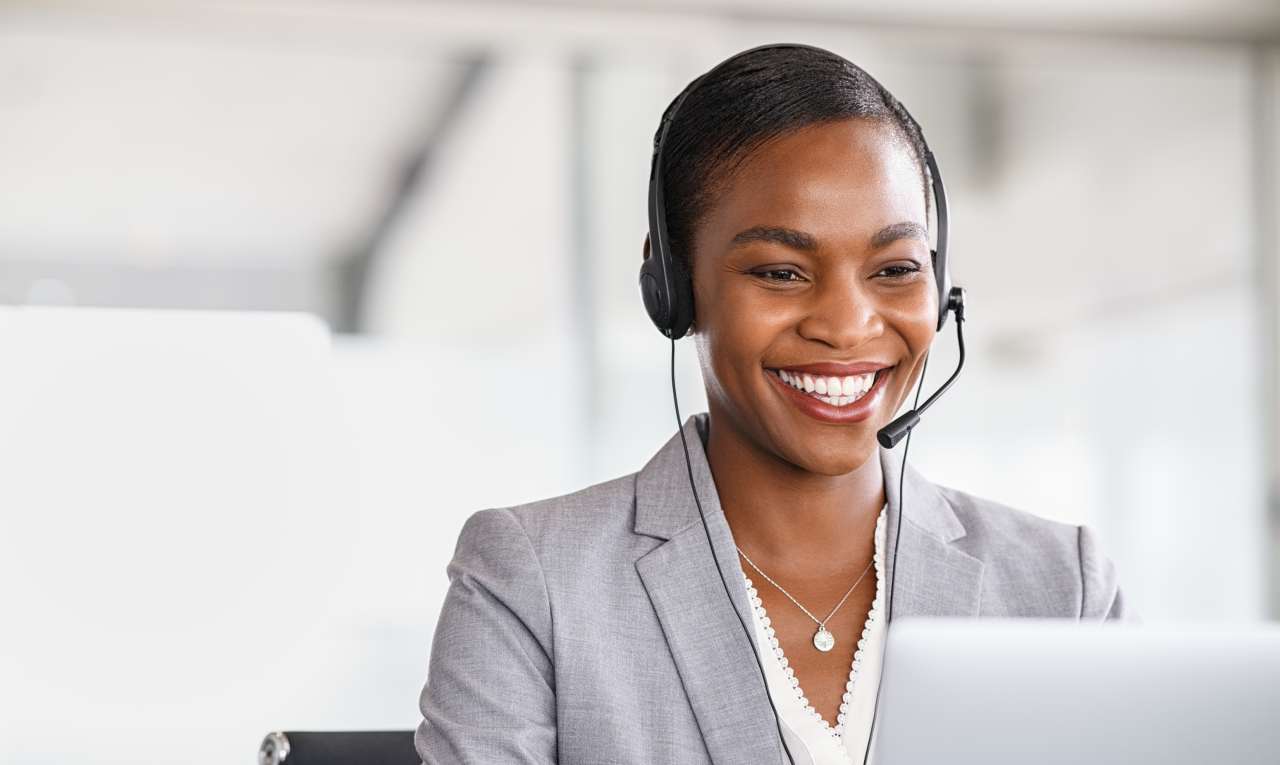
(121, 143)
(271, 134)
(1254, 19)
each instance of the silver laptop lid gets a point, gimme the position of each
(1008, 691)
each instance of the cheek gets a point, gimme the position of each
(918, 329)
(735, 335)
(740, 342)
(915, 315)
(737, 311)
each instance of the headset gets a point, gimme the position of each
(667, 293)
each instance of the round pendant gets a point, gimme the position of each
(823, 640)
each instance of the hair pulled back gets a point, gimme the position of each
(756, 97)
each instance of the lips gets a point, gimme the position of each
(832, 413)
(833, 369)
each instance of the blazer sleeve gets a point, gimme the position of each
(1101, 596)
(490, 690)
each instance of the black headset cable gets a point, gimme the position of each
(689, 464)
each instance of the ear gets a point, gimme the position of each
(645, 253)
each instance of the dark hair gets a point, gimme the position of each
(758, 96)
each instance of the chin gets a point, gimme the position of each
(846, 460)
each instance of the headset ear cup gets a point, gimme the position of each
(682, 313)
(955, 302)
(940, 282)
(654, 297)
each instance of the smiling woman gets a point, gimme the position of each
(595, 626)
(820, 238)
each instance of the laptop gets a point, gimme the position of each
(1018, 691)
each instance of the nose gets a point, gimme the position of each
(842, 314)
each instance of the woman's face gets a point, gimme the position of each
(814, 260)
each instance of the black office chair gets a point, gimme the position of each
(375, 747)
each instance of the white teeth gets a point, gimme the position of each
(856, 385)
(837, 391)
(789, 378)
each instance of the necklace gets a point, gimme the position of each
(823, 640)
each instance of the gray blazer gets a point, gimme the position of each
(593, 628)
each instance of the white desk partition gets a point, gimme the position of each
(175, 513)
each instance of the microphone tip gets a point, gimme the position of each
(891, 434)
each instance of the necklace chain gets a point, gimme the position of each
(823, 622)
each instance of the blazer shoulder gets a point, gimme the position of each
(535, 541)
(993, 524)
(1038, 566)
(600, 515)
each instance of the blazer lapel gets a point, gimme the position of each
(933, 577)
(715, 658)
(704, 628)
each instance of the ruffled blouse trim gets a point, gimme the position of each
(873, 616)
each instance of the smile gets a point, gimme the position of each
(832, 399)
(837, 391)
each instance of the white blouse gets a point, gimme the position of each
(811, 739)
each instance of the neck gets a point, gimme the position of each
(780, 512)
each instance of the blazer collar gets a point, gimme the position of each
(665, 506)
(716, 664)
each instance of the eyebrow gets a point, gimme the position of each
(905, 230)
(799, 240)
(788, 237)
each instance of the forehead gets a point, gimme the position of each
(840, 181)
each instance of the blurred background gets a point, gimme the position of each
(290, 289)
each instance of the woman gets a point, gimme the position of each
(595, 627)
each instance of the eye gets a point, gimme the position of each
(900, 272)
(778, 275)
